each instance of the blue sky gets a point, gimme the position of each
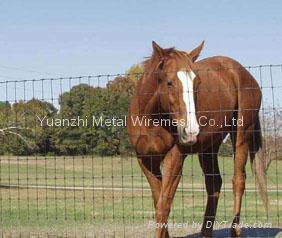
(69, 38)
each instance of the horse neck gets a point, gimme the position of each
(147, 95)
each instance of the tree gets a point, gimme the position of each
(73, 140)
(21, 133)
(272, 135)
(121, 90)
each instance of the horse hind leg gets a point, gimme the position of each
(244, 142)
(238, 181)
(213, 181)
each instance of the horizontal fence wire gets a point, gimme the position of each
(67, 167)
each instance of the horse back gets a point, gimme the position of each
(225, 90)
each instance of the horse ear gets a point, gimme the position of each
(194, 54)
(157, 49)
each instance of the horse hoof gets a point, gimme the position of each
(235, 232)
(206, 233)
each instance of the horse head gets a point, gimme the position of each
(175, 76)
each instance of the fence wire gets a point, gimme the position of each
(61, 174)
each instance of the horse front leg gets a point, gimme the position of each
(150, 166)
(151, 150)
(172, 170)
(213, 181)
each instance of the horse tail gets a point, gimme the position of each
(258, 163)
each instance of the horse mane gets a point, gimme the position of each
(151, 63)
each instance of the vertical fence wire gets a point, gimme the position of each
(58, 181)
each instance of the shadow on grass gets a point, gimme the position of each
(246, 232)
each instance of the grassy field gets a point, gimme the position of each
(45, 196)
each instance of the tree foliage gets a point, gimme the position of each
(21, 132)
(81, 101)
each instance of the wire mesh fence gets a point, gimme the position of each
(67, 167)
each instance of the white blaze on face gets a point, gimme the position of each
(187, 79)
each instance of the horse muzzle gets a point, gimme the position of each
(187, 136)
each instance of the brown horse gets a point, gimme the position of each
(184, 107)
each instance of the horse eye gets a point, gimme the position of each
(169, 83)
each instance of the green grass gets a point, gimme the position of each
(118, 212)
